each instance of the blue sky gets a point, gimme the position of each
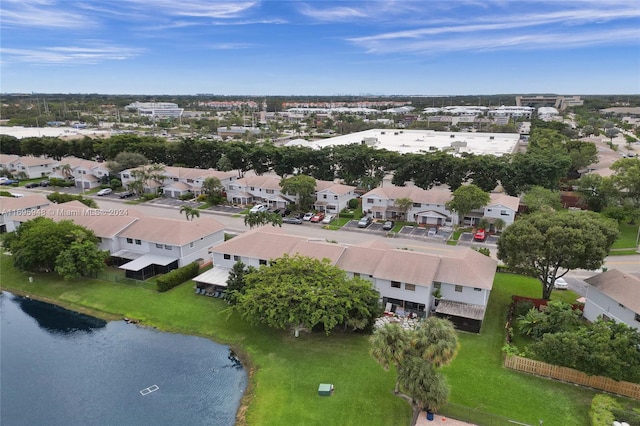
(296, 47)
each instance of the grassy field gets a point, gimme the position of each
(286, 371)
(627, 237)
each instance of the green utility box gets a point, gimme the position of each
(325, 389)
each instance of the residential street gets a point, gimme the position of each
(630, 264)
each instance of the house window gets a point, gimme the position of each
(263, 262)
(437, 285)
(459, 288)
(129, 240)
(621, 305)
(637, 317)
(175, 179)
(138, 242)
(370, 200)
(504, 213)
(395, 284)
(253, 188)
(226, 256)
(410, 287)
(477, 289)
(357, 274)
(270, 191)
(159, 245)
(125, 176)
(488, 210)
(335, 197)
(324, 196)
(191, 244)
(417, 205)
(166, 247)
(189, 180)
(236, 257)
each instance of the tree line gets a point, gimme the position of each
(550, 158)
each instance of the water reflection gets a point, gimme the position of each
(57, 320)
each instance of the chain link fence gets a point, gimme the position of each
(478, 417)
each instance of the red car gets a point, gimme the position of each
(317, 218)
(480, 235)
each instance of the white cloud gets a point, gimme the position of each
(195, 8)
(40, 14)
(340, 13)
(71, 55)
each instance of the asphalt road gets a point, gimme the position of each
(630, 264)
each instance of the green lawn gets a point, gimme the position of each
(627, 237)
(287, 371)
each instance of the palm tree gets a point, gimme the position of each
(499, 225)
(190, 212)
(423, 387)
(404, 204)
(435, 341)
(155, 172)
(66, 171)
(389, 345)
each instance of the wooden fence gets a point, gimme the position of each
(631, 390)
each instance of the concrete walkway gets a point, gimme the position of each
(439, 420)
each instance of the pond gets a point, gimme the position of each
(63, 368)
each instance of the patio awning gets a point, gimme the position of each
(379, 208)
(146, 260)
(459, 309)
(126, 254)
(215, 276)
(431, 213)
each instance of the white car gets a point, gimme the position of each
(307, 216)
(328, 218)
(561, 284)
(105, 191)
(259, 208)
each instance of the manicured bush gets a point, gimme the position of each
(601, 410)
(346, 215)
(353, 203)
(186, 196)
(177, 276)
(631, 417)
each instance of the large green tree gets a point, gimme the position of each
(301, 293)
(626, 178)
(547, 245)
(257, 219)
(44, 245)
(542, 199)
(301, 186)
(214, 190)
(467, 198)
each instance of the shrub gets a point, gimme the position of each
(522, 307)
(177, 276)
(631, 417)
(346, 215)
(353, 203)
(202, 197)
(186, 196)
(601, 410)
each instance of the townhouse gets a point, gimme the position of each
(87, 174)
(259, 189)
(142, 246)
(429, 206)
(407, 280)
(333, 197)
(27, 167)
(15, 210)
(613, 295)
(178, 181)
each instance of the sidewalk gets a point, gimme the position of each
(439, 420)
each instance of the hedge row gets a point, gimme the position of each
(177, 276)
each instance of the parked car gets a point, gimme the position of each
(9, 182)
(364, 222)
(560, 284)
(292, 219)
(105, 191)
(259, 208)
(317, 217)
(480, 235)
(308, 216)
(328, 218)
(44, 183)
(432, 232)
(16, 195)
(388, 225)
(126, 194)
(32, 185)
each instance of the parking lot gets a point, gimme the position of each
(467, 238)
(442, 234)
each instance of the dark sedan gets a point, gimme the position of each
(294, 220)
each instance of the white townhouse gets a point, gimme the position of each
(88, 174)
(143, 246)
(428, 205)
(153, 245)
(180, 180)
(613, 295)
(259, 189)
(501, 206)
(13, 211)
(333, 197)
(405, 279)
(31, 167)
